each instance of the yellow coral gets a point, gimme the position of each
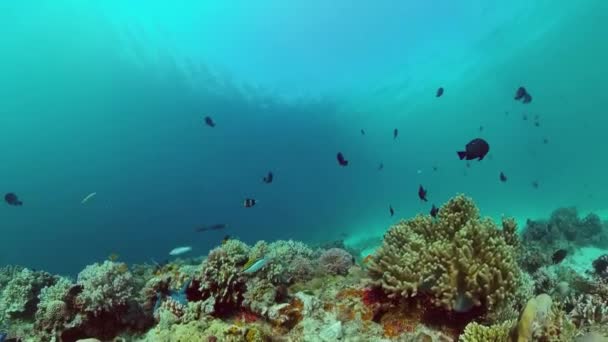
(460, 260)
(475, 332)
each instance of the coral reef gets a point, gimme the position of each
(459, 260)
(336, 261)
(475, 332)
(105, 287)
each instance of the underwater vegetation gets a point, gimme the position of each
(455, 276)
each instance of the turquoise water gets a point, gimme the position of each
(110, 98)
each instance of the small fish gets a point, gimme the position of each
(527, 99)
(559, 256)
(209, 121)
(113, 257)
(216, 226)
(476, 148)
(520, 93)
(362, 131)
(435, 168)
(391, 210)
(341, 160)
(269, 178)
(249, 202)
(537, 124)
(381, 166)
(434, 211)
(366, 260)
(535, 184)
(395, 133)
(545, 141)
(225, 239)
(422, 193)
(468, 165)
(12, 199)
(502, 177)
(525, 117)
(481, 128)
(439, 92)
(180, 250)
(255, 266)
(88, 197)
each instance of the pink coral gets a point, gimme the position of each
(336, 261)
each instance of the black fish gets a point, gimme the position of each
(545, 141)
(434, 211)
(422, 193)
(12, 199)
(481, 128)
(527, 99)
(439, 92)
(341, 160)
(395, 133)
(217, 226)
(362, 132)
(391, 210)
(209, 121)
(249, 202)
(476, 148)
(559, 255)
(525, 117)
(502, 177)
(381, 166)
(537, 124)
(269, 178)
(520, 93)
(535, 184)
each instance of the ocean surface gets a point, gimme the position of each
(110, 97)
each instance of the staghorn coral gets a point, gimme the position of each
(336, 261)
(459, 260)
(105, 287)
(475, 332)
(587, 310)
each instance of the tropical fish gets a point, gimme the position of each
(395, 133)
(522, 94)
(559, 256)
(269, 178)
(439, 92)
(434, 211)
(209, 121)
(254, 266)
(341, 160)
(362, 131)
(12, 199)
(249, 202)
(391, 210)
(216, 226)
(502, 177)
(180, 250)
(88, 197)
(476, 148)
(422, 193)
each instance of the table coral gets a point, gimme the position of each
(460, 260)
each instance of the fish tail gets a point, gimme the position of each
(462, 154)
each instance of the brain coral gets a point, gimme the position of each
(458, 260)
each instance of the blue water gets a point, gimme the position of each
(110, 98)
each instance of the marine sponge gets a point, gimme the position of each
(459, 260)
(104, 287)
(336, 261)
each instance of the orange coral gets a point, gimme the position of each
(397, 323)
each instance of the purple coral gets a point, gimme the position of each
(336, 261)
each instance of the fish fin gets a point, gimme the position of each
(481, 158)
(462, 154)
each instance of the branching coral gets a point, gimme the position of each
(19, 297)
(104, 287)
(221, 283)
(459, 260)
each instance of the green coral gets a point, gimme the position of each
(458, 260)
(475, 332)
